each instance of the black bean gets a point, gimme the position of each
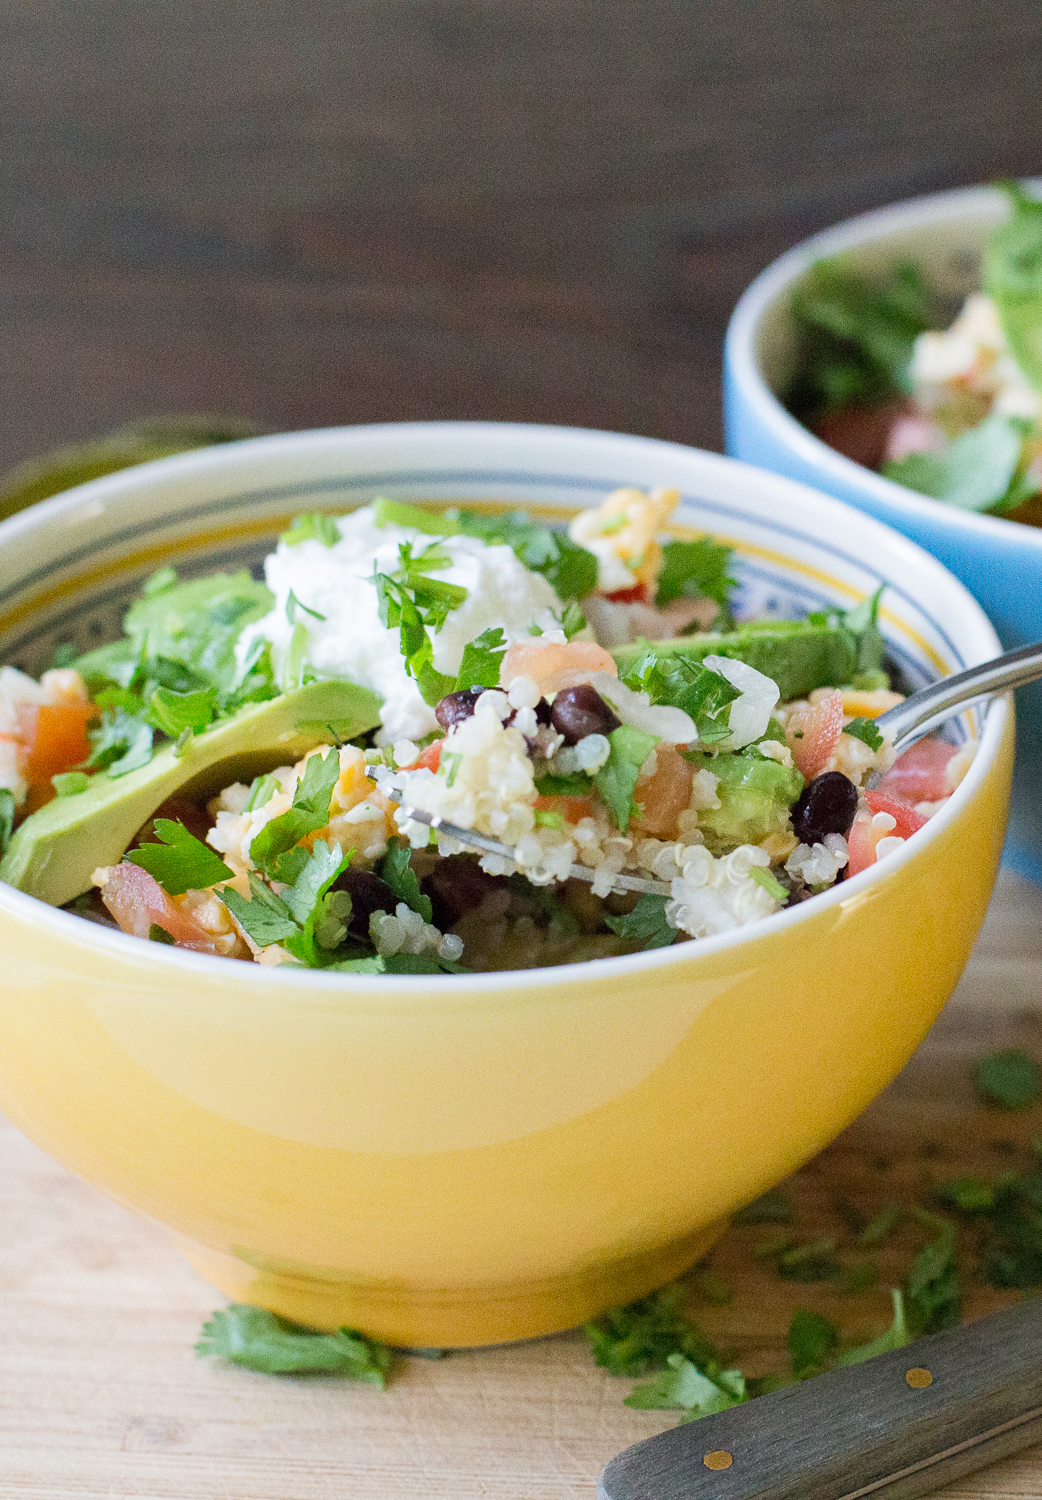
(826, 805)
(579, 711)
(456, 885)
(368, 894)
(455, 707)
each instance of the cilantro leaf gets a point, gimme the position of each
(157, 934)
(293, 604)
(6, 818)
(894, 1337)
(575, 784)
(813, 1341)
(262, 789)
(121, 742)
(773, 1207)
(696, 570)
(265, 917)
(645, 924)
(481, 660)
(672, 678)
(173, 712)
(975, 471)
(856, 335)
(640, 1337)
(1012, 277)
(866, 731)
(397, 872)
(1008, 1078)
(312, 527)
(569, 568)
(256, 1338)
(321, 916)
(413, 518)
(198, 623)
(308, 813)
(616, 779)
(683, 1386)
(932, 1291)
(180, 862)
(415, 604)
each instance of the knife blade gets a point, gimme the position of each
(899, 1425)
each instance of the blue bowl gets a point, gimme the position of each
(999, 561)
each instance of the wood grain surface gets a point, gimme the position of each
(539, 210)
(101, 1396)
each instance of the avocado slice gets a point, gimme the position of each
(796, 654)
(55, 851)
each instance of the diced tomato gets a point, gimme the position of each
(638, 594)
(429, 758)
(907, 819)
(813, 733)
(55, 737)
(919, 774)
(861, 845)
(664, 796)
(555, 667)
(572, 809)
(138, 902)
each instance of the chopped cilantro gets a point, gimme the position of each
(813, 1341)
(894, 1337)
(544, 819)
(866, 731)
(878, 1227)
(771, 884)
(397, 872)
(415, 604)
(157, 934)
(570, 619)
(121, 742)
(673, 679)
(932, 1290)
(264, 917)
(773, 1207)
(174, 712)
(179, 861)
(262, 789)
(293, 604)
(1008, 1078)
(697, 570)
(645, 924)
(481, 660)
(308, 919)
(640, 1337)
(856, 335)
(1012, 277)
(616, 779)
(575, 784)
(312, 527)
(308, 813)
(256, 1338)
(413, 518)
(569, 568)
(70, 783)
(980, 470)
(682, 1386)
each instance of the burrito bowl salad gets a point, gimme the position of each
(945, 400)
(247, 771)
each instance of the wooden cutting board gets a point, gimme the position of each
(101, 1395)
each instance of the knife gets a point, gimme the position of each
(899, 1425)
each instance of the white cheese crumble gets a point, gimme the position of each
(350, 641)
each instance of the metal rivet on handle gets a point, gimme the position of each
(918, 1378)
(718, 1459)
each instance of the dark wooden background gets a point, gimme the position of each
(352, 210)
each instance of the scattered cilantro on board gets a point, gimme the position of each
(256, 1338)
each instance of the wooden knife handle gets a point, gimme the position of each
(898, 1425)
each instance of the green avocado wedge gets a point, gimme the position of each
(796, 654)
(55, 851)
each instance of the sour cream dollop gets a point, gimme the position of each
(350, 641)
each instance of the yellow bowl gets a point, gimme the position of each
(470, 1159)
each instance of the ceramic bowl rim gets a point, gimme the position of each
(777, 280)
(442, 988)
